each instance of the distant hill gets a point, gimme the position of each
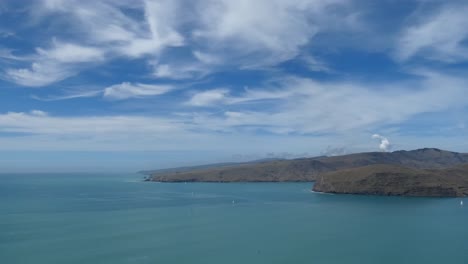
(309, 169)
(396, 180)
(203, 167)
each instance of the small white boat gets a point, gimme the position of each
(461, 203)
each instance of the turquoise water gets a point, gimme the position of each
(114, 219)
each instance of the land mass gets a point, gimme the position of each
(421, 172)
(396, 180)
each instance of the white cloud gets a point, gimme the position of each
(35, 123)
(302, 107)
(218, 36)
(38, 113)
(60, 61)
(137, 90)
(206, 58)
(71, 53)
(209, 97)
(245, 33)
(4, 33)
(8, 54)
(105, 31)
(123, 133)
(125, 90)
(235, 34)
(438, 36)
(177, 71)
(106, 24)
(248, 28)
(316, 65)
(69, 95)
(165, 71)
(307, 106)
(39, 74)
(162, 19)
(384, 142)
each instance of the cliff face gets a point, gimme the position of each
(308, 169)
(396, 180)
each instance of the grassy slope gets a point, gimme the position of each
(396, 180)
(308, 169)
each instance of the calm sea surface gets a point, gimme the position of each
(84, 218)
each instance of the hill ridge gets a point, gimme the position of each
(307, 169)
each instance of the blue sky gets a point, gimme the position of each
(128, 85)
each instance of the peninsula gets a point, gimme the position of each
(421, 172)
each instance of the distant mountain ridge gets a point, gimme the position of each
(308, 169)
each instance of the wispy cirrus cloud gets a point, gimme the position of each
(208, 97)
(303, 107)
(121, 91)
(440, 36)
(56, 63)
(312, 68)
(70, 53)
(38, 74)
(69, 95)
(40, 123)
(255, 38)
(307, 106)
(136, 90)
(180, 71)
(218, 34)
(107, 32)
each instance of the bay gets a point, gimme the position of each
(110, 218)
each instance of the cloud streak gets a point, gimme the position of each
(208, 98)
(218, 34)
(302, 107)
(439, 36)
(229, 69)
(69, 95)
(307, 106)
(128, 90)
(122, 91)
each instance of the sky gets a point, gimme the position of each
(109, 85)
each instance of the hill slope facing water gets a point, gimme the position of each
(421, 172)
(396, 180)
(308, 169)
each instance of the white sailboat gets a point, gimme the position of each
(461, 202)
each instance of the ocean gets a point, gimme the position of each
(116, 219)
